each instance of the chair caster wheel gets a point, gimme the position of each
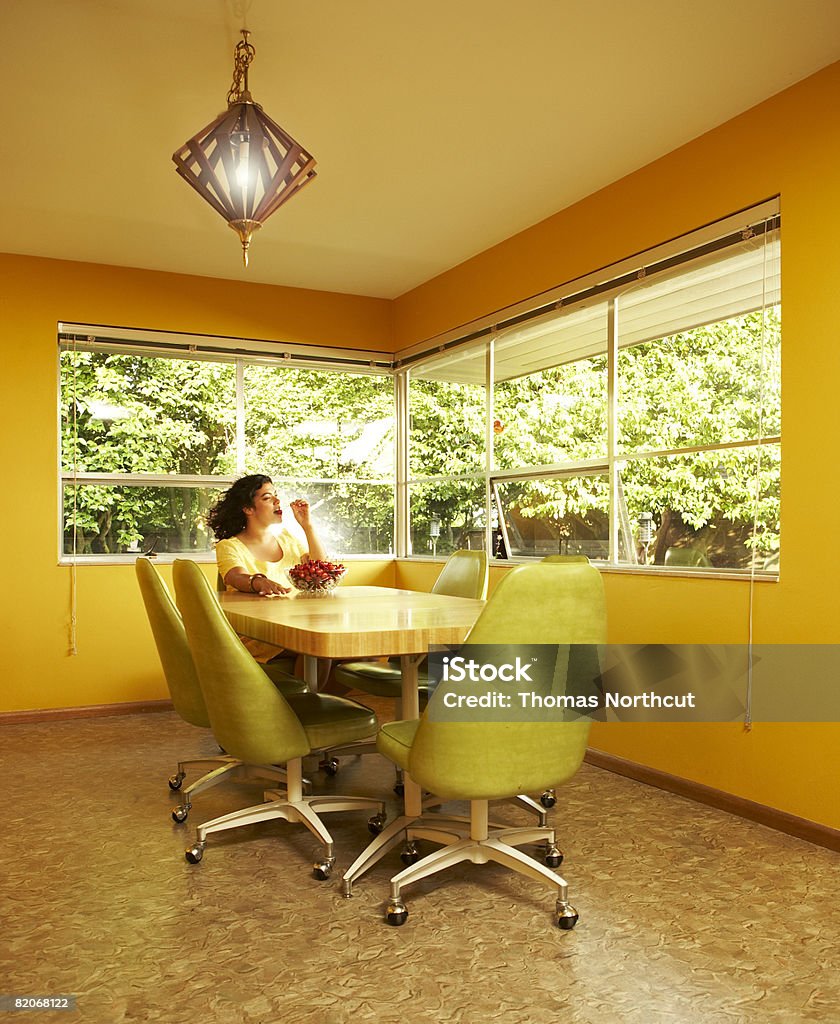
(195, 853)
(553, 856)
(376, 824)
(179, 814)
(409, 855)
(395, 913)
(329, 765)
(548, 799)
(567, 916)
(399, 789)
(323, 869)
(176, 780)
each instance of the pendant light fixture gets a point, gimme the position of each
(243, 163)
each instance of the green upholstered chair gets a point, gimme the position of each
(464, 575)
(179, 672)
(253, 721)
(482, 761)
(689, 558)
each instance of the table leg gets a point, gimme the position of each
(413, 795)
(411, 709)
(310, 671)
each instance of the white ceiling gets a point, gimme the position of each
(440, 128)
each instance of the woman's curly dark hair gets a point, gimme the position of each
(227, 518)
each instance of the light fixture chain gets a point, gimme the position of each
(242, 57)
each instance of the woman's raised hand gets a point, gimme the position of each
(300, 510)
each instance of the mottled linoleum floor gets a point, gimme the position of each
(687, 914)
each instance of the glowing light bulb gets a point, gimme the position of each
(243, 167)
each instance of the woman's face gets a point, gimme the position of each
(266, 507)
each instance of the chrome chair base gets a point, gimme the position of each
(531, 805)
(218, 769)
(409, 829)
(291, 805)
(483, 844)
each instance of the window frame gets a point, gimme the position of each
(478, 337)
(161, 345)
(607, 284)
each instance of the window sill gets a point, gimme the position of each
(658, 570)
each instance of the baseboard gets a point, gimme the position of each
(781, 821)
(137, 707)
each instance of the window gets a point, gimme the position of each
(149, 441)
(447, 414)
(638, 419)
(633, 417)
(329, 436)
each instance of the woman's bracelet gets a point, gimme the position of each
(257, 576)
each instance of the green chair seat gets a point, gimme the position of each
(329, 720)
(283, 662)
(286, 683)
(395, 739)
(380, 678)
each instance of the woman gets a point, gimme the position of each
(254, 552)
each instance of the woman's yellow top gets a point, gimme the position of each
(232, 552)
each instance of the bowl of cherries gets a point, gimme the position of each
(316, 578)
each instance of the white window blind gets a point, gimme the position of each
(717, 272)
(713, 288)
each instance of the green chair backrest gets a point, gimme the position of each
(535, 604)
(565, 559)
(464, 575)
(693, 557)
(250, 718)
(171, 642)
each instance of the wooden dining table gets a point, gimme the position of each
(360, 622)
(355, 622)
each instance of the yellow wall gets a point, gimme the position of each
(116, 661)
(788, 145)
